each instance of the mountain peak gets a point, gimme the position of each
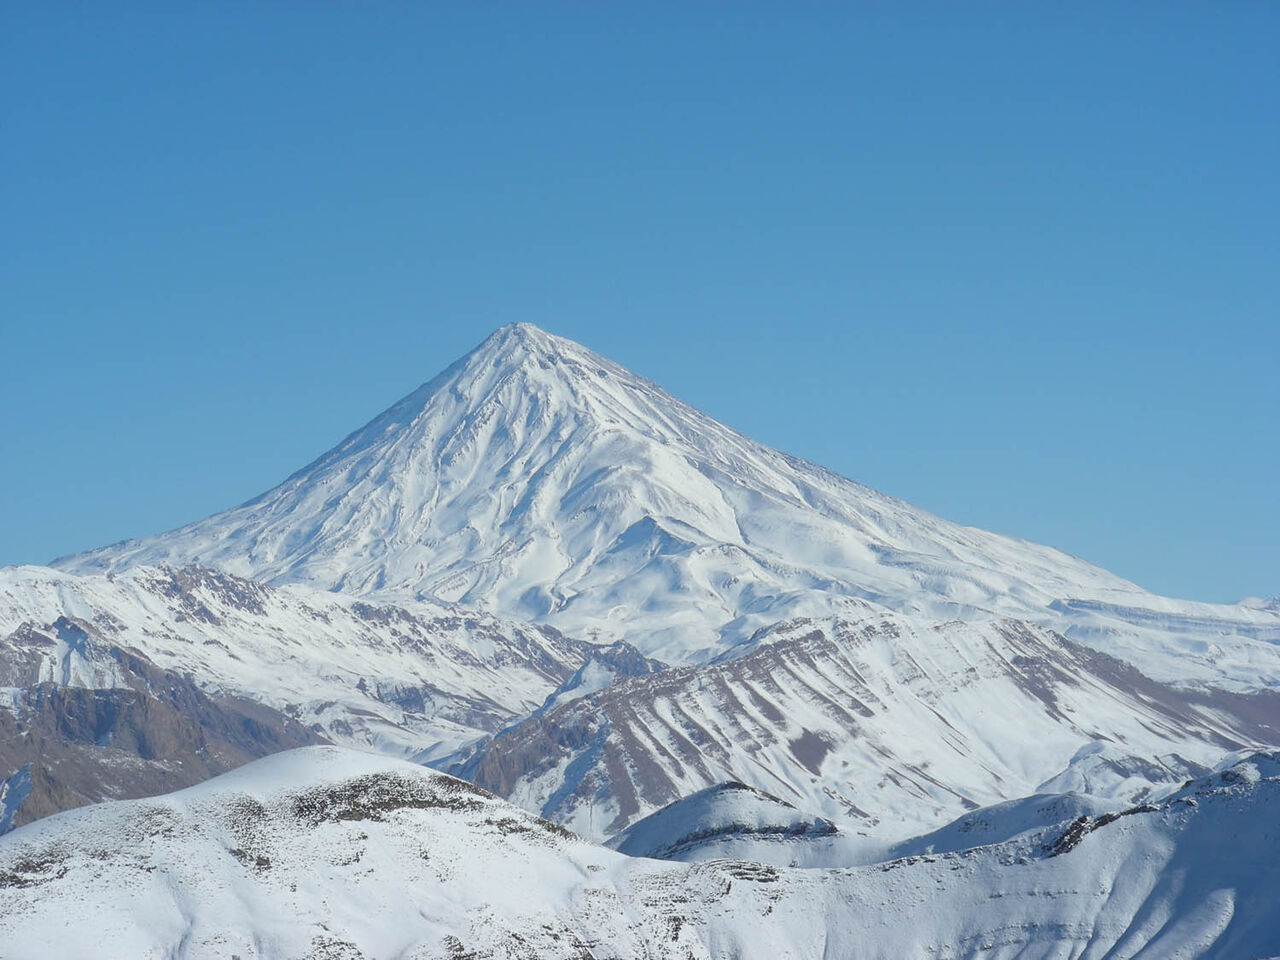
(517, 343)
(522, 338)
(526, 359)
(535, 479)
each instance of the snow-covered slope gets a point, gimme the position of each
(536, 480)
(416, 680)
(885, 726)
(734, 821)
(837, 651)
(737, 822)
(1041, 815)
(325, 853)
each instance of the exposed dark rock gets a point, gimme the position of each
(155, 732)
(373, 797)
(809, 748)
(1083, 825)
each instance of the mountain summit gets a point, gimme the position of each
(535, 479)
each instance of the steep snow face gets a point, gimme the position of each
(539, 481)
(328, 853)
(885, 726)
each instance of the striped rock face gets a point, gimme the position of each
(883, 725)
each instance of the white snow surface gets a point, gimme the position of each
(734, 821)
(539, 481)
(324, 852)
(738, 822)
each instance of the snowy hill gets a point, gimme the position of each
(83, 719)
(324, 852)
(539, 481)
(737, 822)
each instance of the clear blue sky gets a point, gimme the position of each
(1016, 263)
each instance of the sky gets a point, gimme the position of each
(1016, 264)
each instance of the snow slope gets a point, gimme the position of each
(539, 481)
(886, 726)
(327, 853)
(737, 822)
(734, 821)
(419, 679)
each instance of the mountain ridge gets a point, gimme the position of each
(154, 677)
(325, 853)
(886, 726)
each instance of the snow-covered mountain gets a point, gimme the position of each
(156, 678)
(544, 573)
(414, 680)
(887, 726)
(539, 481)
(83, 719)
(327, 853)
